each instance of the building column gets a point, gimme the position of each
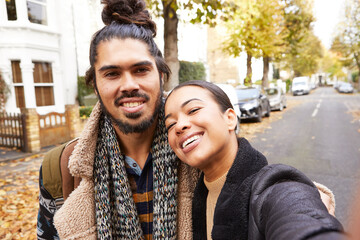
(27, 72)
(58, 89)
(32, 130)
(73, 120)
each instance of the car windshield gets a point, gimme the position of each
(346, 85)
(298, 83)
(271, 91)
(243, 94)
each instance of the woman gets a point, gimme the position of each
(239, 196)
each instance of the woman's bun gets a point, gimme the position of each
(127, 12)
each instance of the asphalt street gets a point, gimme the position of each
(321, 137)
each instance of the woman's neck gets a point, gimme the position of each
(224, 161)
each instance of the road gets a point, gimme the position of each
(320, 136)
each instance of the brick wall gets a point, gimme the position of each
(32, 129)
(32, 132)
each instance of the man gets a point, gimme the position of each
(122, 169)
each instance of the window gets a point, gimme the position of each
(37, 11)
(43, 83)
(11, 10)
(18, 84)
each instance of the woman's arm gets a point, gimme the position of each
(285, 204)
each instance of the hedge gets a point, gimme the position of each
(83, 90)
(191, 71)
(85, 111)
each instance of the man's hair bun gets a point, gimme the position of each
(127, 12)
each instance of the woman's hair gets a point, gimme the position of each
(126, 19)
(217, 93)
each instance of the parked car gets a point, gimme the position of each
(337, 85)
(277, 98)
(253, 104)
(346, 88)
(300, 86)
(231, 93)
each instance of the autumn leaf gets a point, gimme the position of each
(19, 199)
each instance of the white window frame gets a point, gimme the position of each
(46, 84)
(43, 3)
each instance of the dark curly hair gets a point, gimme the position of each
(126, 19)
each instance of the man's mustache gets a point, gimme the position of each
(130, 95)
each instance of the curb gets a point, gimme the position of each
(11, 155)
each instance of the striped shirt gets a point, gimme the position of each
(141, 182)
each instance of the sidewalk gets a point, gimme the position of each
(8, 154)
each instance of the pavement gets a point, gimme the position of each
(9, 154)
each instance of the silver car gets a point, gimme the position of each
(277, 98)
(346, 88)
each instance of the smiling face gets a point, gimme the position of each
(128, 84)
(200, 134)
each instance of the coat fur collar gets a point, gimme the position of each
(81, 161)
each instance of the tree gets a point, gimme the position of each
(309, 52)
(242, 34)
(298, 18)
(332, 64)
(206, 12)
(257, 29)
(347, 42)
(272, 34)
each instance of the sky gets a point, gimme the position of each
(328, 14)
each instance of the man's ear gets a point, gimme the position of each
(231, 118)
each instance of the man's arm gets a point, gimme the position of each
(47, 209)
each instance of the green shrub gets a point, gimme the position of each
(288, 84)
(355, 77)
(258, 82)
(276, 73)
(191, 71)
(85, 111)
(83, 90)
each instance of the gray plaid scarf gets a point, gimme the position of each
(116, 212)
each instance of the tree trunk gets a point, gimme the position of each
(171, 43)
(265, 79)
(358, 66)
(247, 80)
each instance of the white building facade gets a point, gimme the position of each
(44, 47)
(38, 52)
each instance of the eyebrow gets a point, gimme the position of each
(183, 105)
(142, 63)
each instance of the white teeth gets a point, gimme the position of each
(188, 141)
(132, 104)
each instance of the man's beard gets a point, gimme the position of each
(127, 128)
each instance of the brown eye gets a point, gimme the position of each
(111, 74)
(194, 110)
(141, 70)
(170, 126)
